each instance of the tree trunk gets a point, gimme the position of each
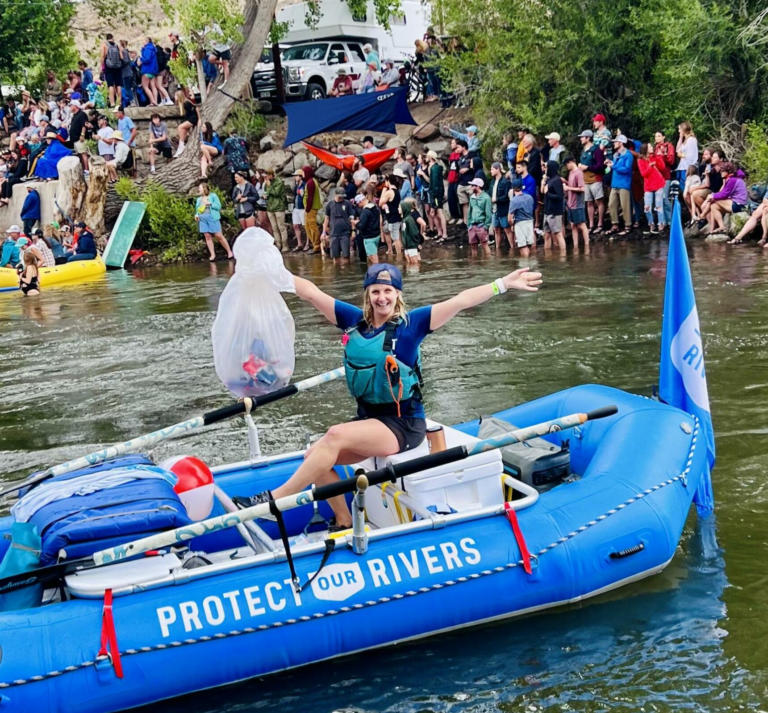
(70, 191)
(92, 212)
(181, 174)
(202, 83)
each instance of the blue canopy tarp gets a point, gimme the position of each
(375, 111)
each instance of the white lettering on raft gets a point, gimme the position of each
(336, 582)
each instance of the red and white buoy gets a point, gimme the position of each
(195, 484)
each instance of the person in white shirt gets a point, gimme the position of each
(122, 157)
(106, 148)
(361, 174)
(687, 150)
(390, 77)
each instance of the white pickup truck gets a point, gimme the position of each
(310, 68)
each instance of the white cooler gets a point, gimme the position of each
(468, 484)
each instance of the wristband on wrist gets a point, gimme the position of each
(495, 289)
(502, 288)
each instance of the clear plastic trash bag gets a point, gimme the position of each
(253, 334)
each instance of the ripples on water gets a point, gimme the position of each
(130, 352)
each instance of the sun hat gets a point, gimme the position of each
(477, 182)
(51, 135)
(373, 276)
(117, 135)
(586, 134)
(341, 71)
(399, 173)
(554, 135)
(13, 229)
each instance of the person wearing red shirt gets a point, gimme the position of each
(453, 183)
(342, 85)
(650, 165)
(666, 151)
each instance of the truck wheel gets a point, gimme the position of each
(314, 92)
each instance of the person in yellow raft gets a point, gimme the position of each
(383, 370)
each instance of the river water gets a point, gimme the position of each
(100, 362)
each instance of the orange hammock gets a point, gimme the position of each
(371, 160)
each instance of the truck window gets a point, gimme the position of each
(357, 53)
(314, 52)
(337, 53)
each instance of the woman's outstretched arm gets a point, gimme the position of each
(310, 292)
(443, 312)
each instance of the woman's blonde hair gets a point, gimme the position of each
(400, 311)
(687, 128)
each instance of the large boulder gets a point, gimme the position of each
(379, 141)
(268, 142)
(354, 148)
(300, 159)
(426, 132)
(274, 159)
(395, 143)
(326, 173)
(441, 148)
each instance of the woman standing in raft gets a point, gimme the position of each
(383, 371)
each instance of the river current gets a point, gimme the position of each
(99, 362)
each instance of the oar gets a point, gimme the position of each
(317, 493)
(150, 439)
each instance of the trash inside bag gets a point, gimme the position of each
(253, 335)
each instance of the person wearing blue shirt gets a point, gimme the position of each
(529, 182)
(473, 142)
(11, 255)
(126, 127)
(621, 185)
(87, 72)
(383, 371)
(30, 211)
(86, 245)
(210, 148)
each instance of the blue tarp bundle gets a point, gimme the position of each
(375, 111)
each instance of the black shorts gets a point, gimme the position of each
(410, 432)
(226, 55)
(113, 76)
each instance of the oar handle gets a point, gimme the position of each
(601, 412)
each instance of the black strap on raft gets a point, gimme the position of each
(330, 546)
(286, 545)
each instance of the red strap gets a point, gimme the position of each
(109, 635)
(512, 517)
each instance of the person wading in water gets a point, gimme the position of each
(383, 370)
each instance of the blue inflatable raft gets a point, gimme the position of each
(442, 554)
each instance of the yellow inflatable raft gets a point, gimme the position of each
(68, 272)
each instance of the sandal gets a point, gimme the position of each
(612, 231)
(622, 233)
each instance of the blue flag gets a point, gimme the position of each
(682, 379)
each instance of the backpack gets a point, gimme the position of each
(162, 58)
(113, 60)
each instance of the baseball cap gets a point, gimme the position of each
(80, 224)
(13, 229)
(340, 191)
(554, 135)
(621, 139)
(496, 165)
(21, 241)
(477, 182)
(472, 128)
(374, 277)
(299, 172)
(586, 134)
(599, 117)
(75, 96)
(359, 198)
(37, 233)
(517, 184)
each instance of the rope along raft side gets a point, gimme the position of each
(682, 478)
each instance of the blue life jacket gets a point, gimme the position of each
(370, 371)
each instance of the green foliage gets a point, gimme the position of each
(278, 31)
(169, 223)
(195, 18)
(646, 64)
(246, 123)
(34, 36)
(184, 72)
(755, 157)
(384, 10)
